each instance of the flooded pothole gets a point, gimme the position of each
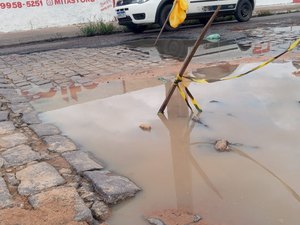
(177, 49)
(255, 42)
(176, 164)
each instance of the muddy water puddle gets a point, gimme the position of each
(177, 49)
(254, 42)
(176, 164)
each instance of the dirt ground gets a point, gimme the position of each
(55, 213)
(176, 217)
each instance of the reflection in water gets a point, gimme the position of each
(215, 71)
(243, 154)
(180, 126)
(59, 97)
(167, 48)
(289, 188)
(178, 48)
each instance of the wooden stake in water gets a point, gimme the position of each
(189, 58)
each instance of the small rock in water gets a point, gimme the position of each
(196, 218)
(155, 221)
(145, 127)
(222, 146)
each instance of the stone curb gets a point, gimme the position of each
(35, 161)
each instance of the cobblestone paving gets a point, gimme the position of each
(38, 165)
(63, 67)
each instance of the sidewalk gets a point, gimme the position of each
(45, 34)
(56, 33)
(276, 9)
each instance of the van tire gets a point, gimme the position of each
(164, 15)
(243, 11)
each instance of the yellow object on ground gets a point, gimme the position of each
(178, 13)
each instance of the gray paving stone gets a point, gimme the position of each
(1, 162)
(8, 86)
(31, 118)
(4, 81)
(3, 100)
(25, 88)
(11, 179)
(21, 108)
(58, 143)
(22, 84)
(20, 155)
(3, 115)
(12, 140)
(5, 197)
(41, 82)
(44, 129)
(19, 99)
(66, 196)
(81, 161)
(6, 127)
(38, 177)
(8, 92)
(100, 211)
(111, 188)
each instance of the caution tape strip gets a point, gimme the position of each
(189, 94)
(201, 81)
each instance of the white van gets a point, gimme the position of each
(137, 14)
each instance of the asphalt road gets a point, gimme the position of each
(228, 30)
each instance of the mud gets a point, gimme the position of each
(54, 213)
(176, 216)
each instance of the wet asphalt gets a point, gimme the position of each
(228, 30)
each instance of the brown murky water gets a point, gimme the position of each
(176, 165)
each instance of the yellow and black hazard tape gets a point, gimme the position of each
(189, 94)
(193, 79)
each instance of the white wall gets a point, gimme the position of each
(52, 14)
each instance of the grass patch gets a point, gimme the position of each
(97, 28)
